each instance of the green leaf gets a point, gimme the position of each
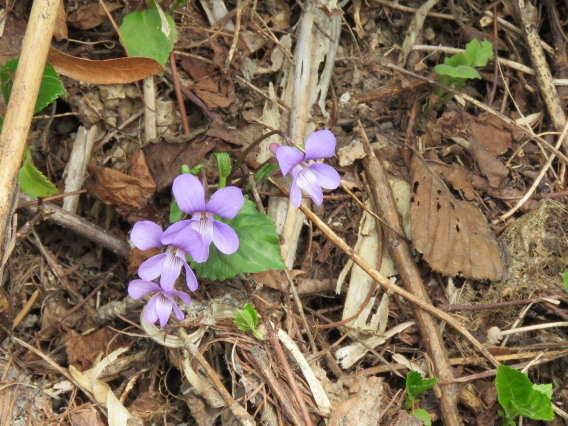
(460, 71)
(518, 396)
(32, 181)
(564, 279)
(224, 166)
(259, 248)
(415, 383)
(265, 172)
(423, 415)
(456, 60)
(175, 212)
(149, 33)
(545, 389)
(50, 88)
(246, 319)
(478, 53)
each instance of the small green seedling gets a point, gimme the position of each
(246, 319)
(224, 165)
(565, 280)
(458, 68)
(415, 385)
(31, 180)
(520, 397)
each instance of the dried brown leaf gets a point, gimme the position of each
(452, 235)
(116, 188)
(90, 16)
(491, 132)
(110, 71)
(82, 350)
(491, 167)
(60, 29)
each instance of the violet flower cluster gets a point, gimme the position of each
(187, 237)
(307, 174)
(193, 236)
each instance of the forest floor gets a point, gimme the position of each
(444, 251)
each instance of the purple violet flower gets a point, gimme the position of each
(146, 235)
(308, 175)
(190, 197)
(160, 305)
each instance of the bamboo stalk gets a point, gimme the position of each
(21, 108)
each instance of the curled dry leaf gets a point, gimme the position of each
(116, 188)
(452, 235)
(110, 71)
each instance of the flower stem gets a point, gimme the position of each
(247, 151)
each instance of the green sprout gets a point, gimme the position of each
(520, 397)
(415, 385)
(456, 69)
(246, 319)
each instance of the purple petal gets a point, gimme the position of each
(150, 314)
(189, 194)
(140, 288)
(178, 312)
(226, 202)
(146, 235)
(225, 238)
(320, 144)
(182, 236)
(152, 268)
(295, 194)
(326, 176)
(185, 298)
(288, 157)
(190, 278)
(307, 181)
(171, 270)
(202, 254)
(163, 309)
(170, 296)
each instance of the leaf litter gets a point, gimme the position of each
(346, 350)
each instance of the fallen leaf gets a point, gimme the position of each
(457, 177)
(116, 188)
(215, 92)
(116, 413)
(452, 235)
(148, 406)
(491, 132)
(165, 159)
(489, 165)
(90, 16)
(110, 71)
(60, 30)
(83, 350)
(87, 416)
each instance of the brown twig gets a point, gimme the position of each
(400, 251)
(79, 305)
(179, 96)
(82, 227)
(263, 368)
(238, 411)
(453, 308)
(18, 116)
(387, 284)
